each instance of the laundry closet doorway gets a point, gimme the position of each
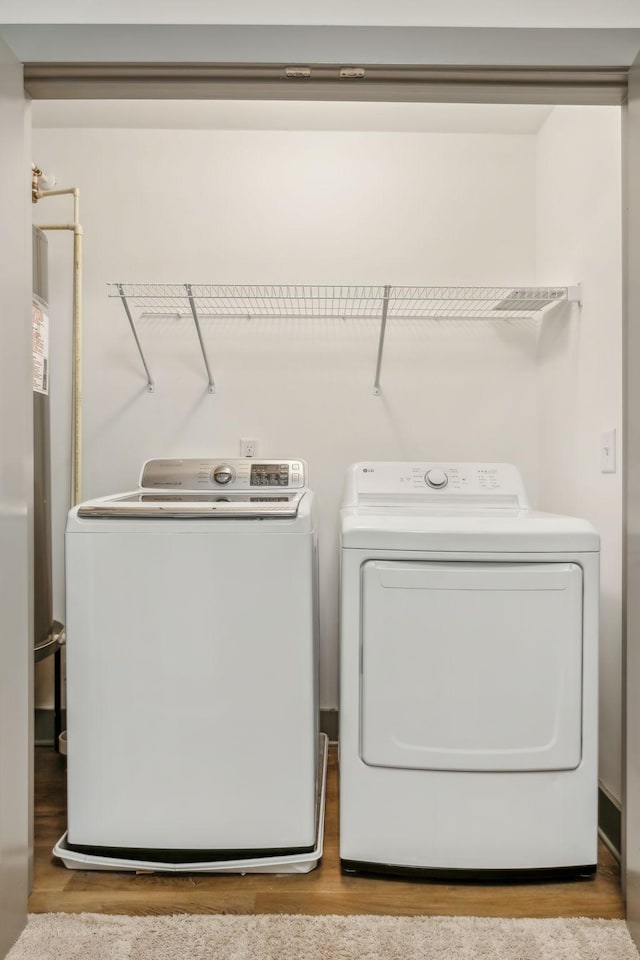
(509, 93)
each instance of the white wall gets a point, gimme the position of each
(293, 207)
(579, 233)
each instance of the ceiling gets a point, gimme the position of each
(434, 13)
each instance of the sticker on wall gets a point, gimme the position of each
(40, 346)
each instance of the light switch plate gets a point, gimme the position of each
(608, 451)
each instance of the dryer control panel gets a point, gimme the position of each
(229, 474)
(436, 482)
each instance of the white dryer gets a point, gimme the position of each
(468, 703)
(192, 666)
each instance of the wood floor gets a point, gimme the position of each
(323, 891)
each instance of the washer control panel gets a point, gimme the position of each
(232, 474)
(438, 481)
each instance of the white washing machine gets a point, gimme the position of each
(468, 704)
(192, 666)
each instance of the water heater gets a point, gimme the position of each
(43, 596)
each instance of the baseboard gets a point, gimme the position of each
(329, 724)
(44, 726)
(610, 822)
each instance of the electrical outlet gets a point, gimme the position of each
(248, 448)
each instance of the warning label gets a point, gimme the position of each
(40, 346)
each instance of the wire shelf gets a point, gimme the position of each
(303, 300)
(252, 301)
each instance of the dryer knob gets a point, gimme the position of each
(223, 474)
(436, 478)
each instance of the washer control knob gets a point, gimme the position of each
(436, 478)
(223, 474)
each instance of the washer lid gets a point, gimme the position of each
(146, 504)
(476, 530)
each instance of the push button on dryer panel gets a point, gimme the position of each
(436, 478)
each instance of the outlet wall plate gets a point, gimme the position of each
(248, 447)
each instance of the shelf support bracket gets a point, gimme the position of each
(150, 383)
(383, 328)
(574, 294)
(192, 304)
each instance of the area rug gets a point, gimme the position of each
(90, 936)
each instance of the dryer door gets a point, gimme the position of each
(471, 666)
